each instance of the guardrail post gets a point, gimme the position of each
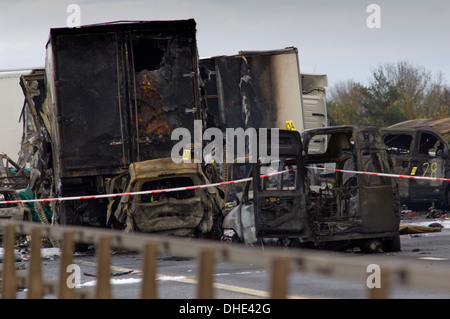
(103, 290)
(35, 283)
(9, 283)
(280, 271)
(383, 291)
(205, 284)
(149, 289)
(65, 292)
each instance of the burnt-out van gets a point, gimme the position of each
(310, 198)
(420, 148)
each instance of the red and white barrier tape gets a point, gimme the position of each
(383, 174)
(177, 189)
(156, 191)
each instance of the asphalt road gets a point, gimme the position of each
(177, 276)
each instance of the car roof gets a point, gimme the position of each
(442, 126)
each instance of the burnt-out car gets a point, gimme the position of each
(321, 199)
(420, 148)
(194, 212)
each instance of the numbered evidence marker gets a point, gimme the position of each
(290, 126)
(186, 155)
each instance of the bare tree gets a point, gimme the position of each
(421, 92)
(344, 103)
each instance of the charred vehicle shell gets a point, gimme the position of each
(421, 148)
(110, 95)
(192, 212)
(310, 206)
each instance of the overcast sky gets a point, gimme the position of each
(332, 37)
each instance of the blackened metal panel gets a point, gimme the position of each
(121, 88)
(88, 108)
(164, 70)
(259, 89)
(280, 200)
(379, 205)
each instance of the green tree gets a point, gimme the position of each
(344, 107)
(422, 94)
(395, 93)
(381, 102)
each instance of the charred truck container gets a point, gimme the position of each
(420, 148)
(261, 89)
(111, 95)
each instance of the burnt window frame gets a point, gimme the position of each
(437, 139)
(142, 198)
(390, 146)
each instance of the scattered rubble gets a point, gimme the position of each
(418, 222)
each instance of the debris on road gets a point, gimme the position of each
(405, 229)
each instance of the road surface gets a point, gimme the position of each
(177, 276)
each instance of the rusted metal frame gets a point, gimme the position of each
(7, 178)
(30, 102)
(10, 161)
(119, 100)
(134, 97)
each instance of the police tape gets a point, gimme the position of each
(186, 188)
(381, 174)
(155, 191)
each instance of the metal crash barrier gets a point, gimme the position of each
(281, 262)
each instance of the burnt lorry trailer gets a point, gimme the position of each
(263, 89)
(110, 95)
(260, 90)
(420, 148)
(313, 203)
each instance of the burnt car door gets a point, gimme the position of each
(280, 204)
(378, 201)
(400, 149)
(427, 161)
